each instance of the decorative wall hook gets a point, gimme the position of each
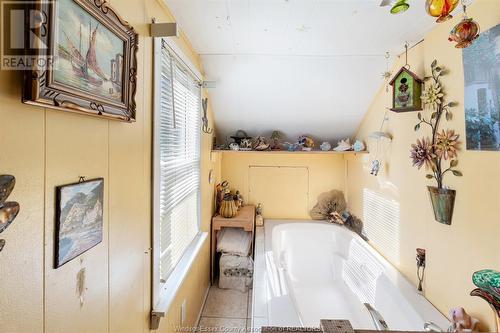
(420, 267)
(204, 119)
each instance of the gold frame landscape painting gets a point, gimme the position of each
(93, 56)
(79, 222)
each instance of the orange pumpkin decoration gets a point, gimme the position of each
(441, 9)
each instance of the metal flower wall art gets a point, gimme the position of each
(8, 210)
(437, 154)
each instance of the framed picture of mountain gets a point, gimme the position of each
(482, 91)
(87, 60)
(79, 219)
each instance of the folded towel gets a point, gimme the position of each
(234, 241)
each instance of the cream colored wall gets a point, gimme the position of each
(44, 148)
(285, 196)
(472, 241)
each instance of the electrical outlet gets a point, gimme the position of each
(183, 312)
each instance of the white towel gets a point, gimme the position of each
(234, 241)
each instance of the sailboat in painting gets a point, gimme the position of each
(90, 56)
(86, 67)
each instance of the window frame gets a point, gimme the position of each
(163, 294)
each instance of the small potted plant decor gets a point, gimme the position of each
(439, 152)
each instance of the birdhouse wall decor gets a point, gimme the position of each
(406, 91)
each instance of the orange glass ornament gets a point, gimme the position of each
(441, 9)
(464, 33)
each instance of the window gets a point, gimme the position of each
(176, 180)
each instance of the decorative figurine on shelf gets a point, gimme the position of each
(441, 9)
(261, 144)
(325, 146)
(238, 200)
(291, 146)
(375, 167)
(276, 140)
(465, 32)
(228, 208)
(306, 142)
(239, 136)
(221, 189)
(246, 144)
(462, 322)
(343, 145)
(358, 146)
(234, 146)
(438, 154)
(259, 219)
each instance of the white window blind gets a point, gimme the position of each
(177, 142)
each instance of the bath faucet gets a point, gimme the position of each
(430, 326)
(377, 318)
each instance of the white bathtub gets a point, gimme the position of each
(308, 270)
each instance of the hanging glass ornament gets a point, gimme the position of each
(465, 32)
(441, 9)
(400, 7)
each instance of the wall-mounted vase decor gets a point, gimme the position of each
(8, 210)
(441, 9)
(94, 54)
(406, 91)
(438, 154)
(79, 219)
(482, 91)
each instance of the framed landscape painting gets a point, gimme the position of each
(482, 91)
(92, 65)
(79, 219)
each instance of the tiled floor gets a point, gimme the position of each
(226, 311)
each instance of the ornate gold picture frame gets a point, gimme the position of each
(93, 60)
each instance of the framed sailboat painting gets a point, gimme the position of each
(89, 60)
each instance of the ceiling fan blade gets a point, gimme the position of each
(385, 3)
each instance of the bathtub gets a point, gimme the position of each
(305, 271)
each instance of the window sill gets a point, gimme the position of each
(175, 280)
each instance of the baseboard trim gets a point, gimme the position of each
(202, 306)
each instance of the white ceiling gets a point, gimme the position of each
(300, 66)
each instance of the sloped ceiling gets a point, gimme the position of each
(299, 66)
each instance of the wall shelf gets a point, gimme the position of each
(300, 152)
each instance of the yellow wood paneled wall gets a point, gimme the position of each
(472, 241)
(44, 148)
(325, 172)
